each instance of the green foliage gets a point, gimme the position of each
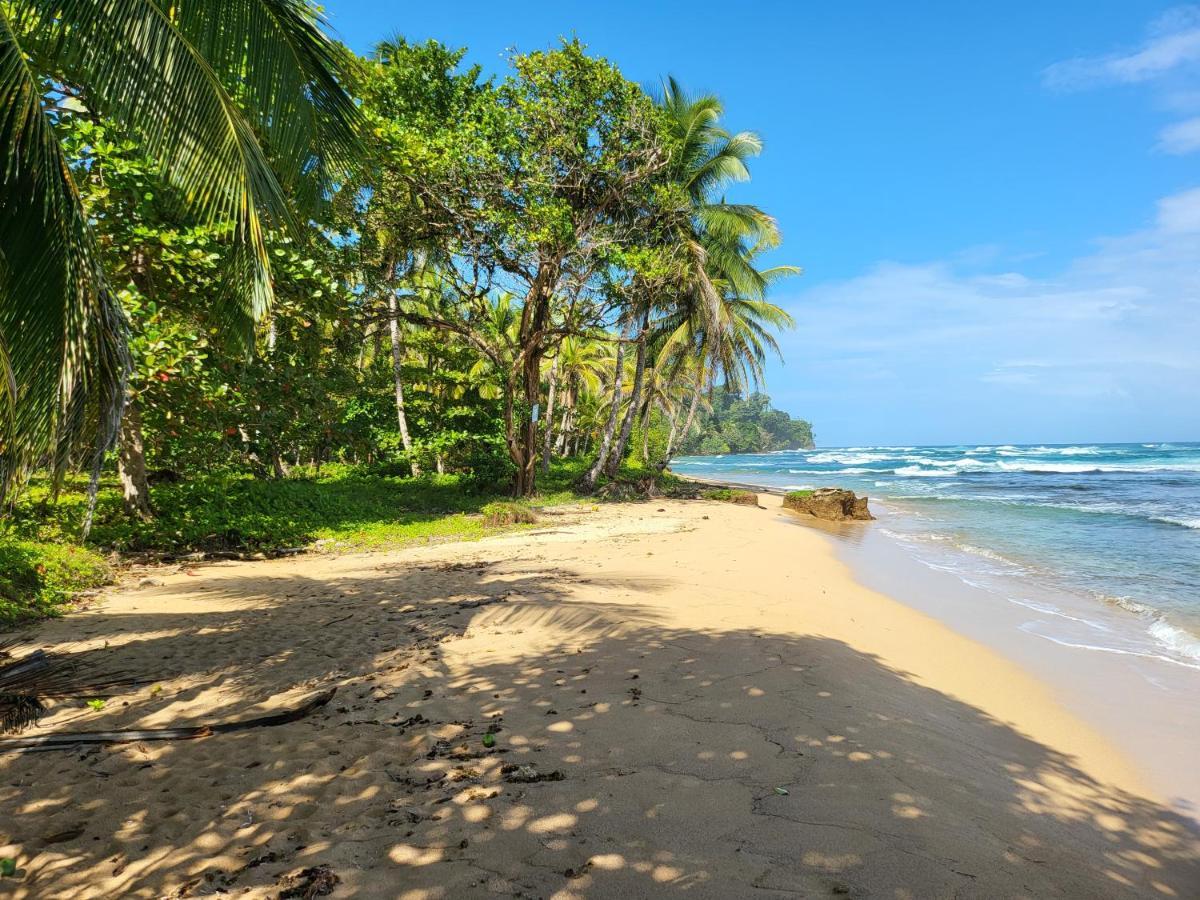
(37, 578)
(508, 512)
(797, 495)
(737, 424)
(242, 106)
(346, 505)
(731, 495)
(490, 248)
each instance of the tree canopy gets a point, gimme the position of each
(243, 269)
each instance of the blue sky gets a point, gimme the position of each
(997, 206)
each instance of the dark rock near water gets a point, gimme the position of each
(833, 504)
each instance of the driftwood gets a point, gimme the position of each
(74, 739)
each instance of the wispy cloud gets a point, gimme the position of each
(1180, 212)
(1168, 61)
(1173, 43)
(1180, 138)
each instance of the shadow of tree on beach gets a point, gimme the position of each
(651, 760)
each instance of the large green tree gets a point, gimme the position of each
(537, 187)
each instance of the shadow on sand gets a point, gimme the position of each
(628, 759)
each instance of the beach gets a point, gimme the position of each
(682, 696)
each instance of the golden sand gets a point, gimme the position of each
(691, 698)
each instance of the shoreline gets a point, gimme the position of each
(684, 696)
(1121, 697)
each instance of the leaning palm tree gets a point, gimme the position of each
(712, 232)
(242, 105)
(729, 340)
(705, 236)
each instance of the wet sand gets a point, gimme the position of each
(1145, 705)
(683, 697)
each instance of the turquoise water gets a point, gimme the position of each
(1113, 524)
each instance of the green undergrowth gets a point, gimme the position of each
(43, 563)
(508, 512)
(797, 495)
(732, 495)
(37, 578)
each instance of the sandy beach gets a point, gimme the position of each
(683, 697)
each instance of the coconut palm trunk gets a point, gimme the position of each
(639, 375)
(564, 426)
(674, 414)
(610, 427)
(548, 443)
(646, 433)
(687, 423)
(398, 380)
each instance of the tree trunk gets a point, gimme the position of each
(131, 464)
(535, 313)
(687, 423)
(671, 436)
(548, 437)
(527, 450)
(618, 453)
(397, 377)
(560, 446)
(610, 427)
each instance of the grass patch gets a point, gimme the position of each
(508, 512)
(38, 579)
(732, 495)
(797, 495)
(348, 506)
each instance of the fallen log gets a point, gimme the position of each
(74, 739)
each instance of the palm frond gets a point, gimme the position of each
(62, 329)
(220, 95)
(288, 78)
(27, 680)
(139, 71)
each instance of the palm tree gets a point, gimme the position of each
(582, 360)
(243, 106)
(717, 242)
(730, 341)
(712, 231)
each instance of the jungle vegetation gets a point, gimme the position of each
(282, 290)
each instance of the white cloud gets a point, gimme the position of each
(1174, 43)
(1168, 60)
(1113, 338)
(1180, 212)
(1180, 138)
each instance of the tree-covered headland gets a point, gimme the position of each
(733, 423)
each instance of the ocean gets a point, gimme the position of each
(1100, 542)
